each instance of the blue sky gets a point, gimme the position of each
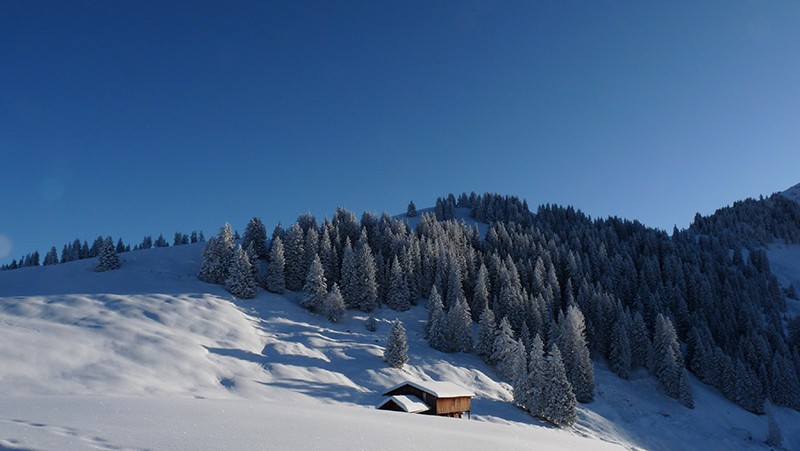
(136, 118)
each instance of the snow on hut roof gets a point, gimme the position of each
(438, 389)
(409, 403)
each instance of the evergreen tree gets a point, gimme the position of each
(576, 358)
(240, 281)
(397, 296)
(487, 333)
(294, 255)
(534, 401)
(256, 234)
(274, 280)
(327, 254)
(161, 241)
(315, 286)
(504, 347)
(51, 258)
(349, 276)
(311, 247)
(455, 293)
(217, 257)
(396, 352)
(480, 295)
(620, 351)
(366, 286)
(107, 259)
(458, 331)
(412, 210)
(784, 385)
(639, 342)
(667, 361)
(437, 324)
(520, 381)
(434, 307)
(94, 251)
(333, 304)
(559, 405)
(211, 268)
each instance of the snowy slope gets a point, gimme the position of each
(461, 215)
(149, 345)
(150, 357)
(793, 193)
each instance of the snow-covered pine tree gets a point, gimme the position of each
(107, 258)
(217, 256)
(328, 257)
(397, 297)
(333, 304)
(367, 286)
(619, 355)
(536, 374)
(412, 210)
(256, 234)
(504, 347)
(784, 385)
(748, 390)
(458, 331)
(576, 358)
(520, 381)
(294, 255)
(210, 269)
(240, 281)
(437, 325)
(349, 276)
(315, 286)
(434, 307)
(480, 295)
(455, 292)
(310, 247)
(411, 264)
(667, 361)
(274, 280)
(396, 352)
(51, 258)
(487, 332)
(639, 342)
(161, 241)
(559, 405)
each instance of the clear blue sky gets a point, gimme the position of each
(143, 117)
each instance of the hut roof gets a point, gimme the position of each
(437, 389)
(408, 403)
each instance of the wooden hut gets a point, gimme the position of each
(440, 398)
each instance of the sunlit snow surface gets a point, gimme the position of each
(148, 357)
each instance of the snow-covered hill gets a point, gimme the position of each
(149, 357)
(793, 193)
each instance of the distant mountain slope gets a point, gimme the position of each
(793, 193)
